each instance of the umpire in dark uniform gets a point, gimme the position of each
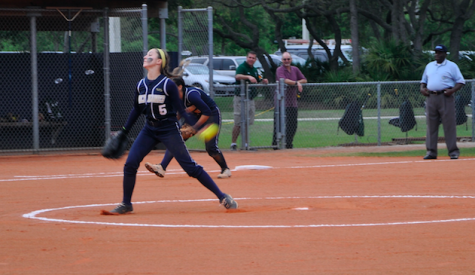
(441, 79)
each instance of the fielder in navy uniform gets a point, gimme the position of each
(199, 104)
(158, 99)
(441, 79)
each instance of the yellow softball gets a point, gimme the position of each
(210, 132)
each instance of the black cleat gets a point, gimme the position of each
(430, 157)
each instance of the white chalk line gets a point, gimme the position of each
(34, 214)
(237, 168)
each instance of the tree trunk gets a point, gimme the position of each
(396, 21)
(455, 38)
(337, 50)
(418, 16)
(355, 43)
(462, 13)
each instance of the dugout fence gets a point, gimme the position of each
(67, 75)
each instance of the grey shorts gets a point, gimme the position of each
(237, 110)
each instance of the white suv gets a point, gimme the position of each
(198, 75)
(225, 65)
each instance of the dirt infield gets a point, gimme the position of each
(300, 212)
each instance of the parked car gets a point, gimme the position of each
(225, 65)
(295, 59)
(317, 51)
(197, 75)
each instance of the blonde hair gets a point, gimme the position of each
(178, 71)
(165, 62)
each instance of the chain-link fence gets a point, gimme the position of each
(195, 38)
(77, 87)
(322, 121)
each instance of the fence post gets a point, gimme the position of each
(210, 51)
(180, 35)
(107, 100)
(472, 104)
(34, 83)
(379, 112)
(277, 116)
(145, 33)
(283, 138)
(242, 96)
(163, 14)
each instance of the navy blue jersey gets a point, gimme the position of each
(158, 100)
(198, 98)
(152, 99)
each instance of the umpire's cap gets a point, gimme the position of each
(441, 48)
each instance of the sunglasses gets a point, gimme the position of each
(285, 59)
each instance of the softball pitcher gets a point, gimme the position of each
(158, 99)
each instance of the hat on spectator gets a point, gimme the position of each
(441, 48)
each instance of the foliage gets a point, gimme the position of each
(314, 71)
(390, 59)
(385, 59)
(345, 74)
(467, 66)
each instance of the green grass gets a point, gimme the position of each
(321, 133)
(466, 152)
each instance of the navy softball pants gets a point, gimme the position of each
(169, 134)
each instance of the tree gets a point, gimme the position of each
(462, 11)
(249, 37)
(354, 36)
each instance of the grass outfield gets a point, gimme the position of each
(319, 128)
(465, 152)
(324, 133)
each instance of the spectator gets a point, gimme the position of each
(246, 71)
(294, 78)
(441, 79)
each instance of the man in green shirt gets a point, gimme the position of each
(246, 71)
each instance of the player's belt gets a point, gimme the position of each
(436, 92)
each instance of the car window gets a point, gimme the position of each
(227, 63)
(240, 60)
(217, 64)
(258, 64)
(277, 61)
(321, 56)
(198, 69)
(298, 60)
(198, 60)
(302, 55)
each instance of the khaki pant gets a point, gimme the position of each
(237, 110)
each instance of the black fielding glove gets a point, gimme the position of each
(116, 145)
